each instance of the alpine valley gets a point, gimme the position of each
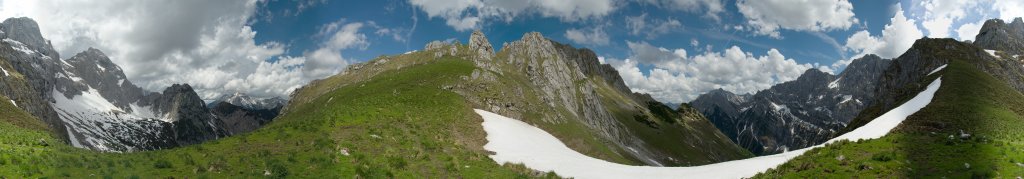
(944, 108)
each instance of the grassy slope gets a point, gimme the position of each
(390, 125)
(921, 147)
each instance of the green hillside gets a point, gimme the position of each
(929, 143)
(395, 116)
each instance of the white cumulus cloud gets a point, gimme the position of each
(208, 44)
(469, 14)
(710, 8)
(675, 77)
(638, 25)
(895, 39)
(590, 36)
(767, 17)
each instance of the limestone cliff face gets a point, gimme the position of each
(565, 85)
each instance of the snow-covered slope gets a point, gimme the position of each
(513, 141)
(96, 123)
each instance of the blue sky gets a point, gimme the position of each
(672, 49)
(298, 30)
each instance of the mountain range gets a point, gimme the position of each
(87, 100)
(794, 114)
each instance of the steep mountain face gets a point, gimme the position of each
(88, 100)
(30, 70)
(926, 56)
(974, 115)
(996, 34)
(794, 114)
(576, 88)
(1004, 42)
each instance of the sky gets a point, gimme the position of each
(674, 50)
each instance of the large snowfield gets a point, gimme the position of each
(513, 141)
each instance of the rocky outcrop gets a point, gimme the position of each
(442, 48)
(26, 31)
(571, 87)
(996, 34)
(38, 67)
(478, 43)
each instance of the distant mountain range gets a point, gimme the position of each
(794, 114)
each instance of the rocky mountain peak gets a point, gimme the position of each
(814, 75)
(478, 43)
(996, 34)
(26, 31)
(532, 44)
(97, 71)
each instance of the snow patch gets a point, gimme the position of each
(777, 107)
(100, 67)
(5, 71)
(14, 103)
(73, 139)
(846, 98)
(88, 102)
(992, 52)
(834, 84)
(409, 52)
(937, 70)
(19, 46)
(514, 141)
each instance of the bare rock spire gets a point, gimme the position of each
(478, 43)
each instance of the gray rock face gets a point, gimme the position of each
(26, 31)
(479, 44)
(97, 71)
(442, 48)
(560, 76)
(39, 66)
(192, 122)
(996, 34)
(794, 114)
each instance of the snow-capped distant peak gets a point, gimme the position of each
(249, 102)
